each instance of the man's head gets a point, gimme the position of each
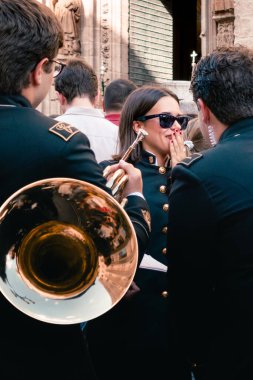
(223, 80)
(77, 80)
(30, 37)
(116, 93)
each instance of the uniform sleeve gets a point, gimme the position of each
(139, 213)
(192, 238)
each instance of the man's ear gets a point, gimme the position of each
(36, 74)
(204, 110)
(61, 98)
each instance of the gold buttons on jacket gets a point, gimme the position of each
(165, 294)
(165, 207)
(162, 170)
(163, 189)
(164, 230)
(164, 251)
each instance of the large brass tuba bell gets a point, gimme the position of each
(68, 250)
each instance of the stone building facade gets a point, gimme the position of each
(151, 41)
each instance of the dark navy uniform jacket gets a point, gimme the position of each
(35, 147)
(210, 235)
(136, 330)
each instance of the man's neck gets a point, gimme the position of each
(80, 102)
(112, 112)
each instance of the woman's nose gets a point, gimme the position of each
(176, 125)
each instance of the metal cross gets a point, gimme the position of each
(193, 56)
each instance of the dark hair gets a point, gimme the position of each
(138, 103)
(116, 93)
(77, 79)
(29, 32)
(224, 81)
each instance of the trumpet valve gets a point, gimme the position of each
(115, 178)
(119, 187)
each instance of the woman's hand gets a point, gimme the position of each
(177, 148)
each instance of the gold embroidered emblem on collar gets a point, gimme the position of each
(64, 130)
(147, 217)
(189, 160)
(151, 159)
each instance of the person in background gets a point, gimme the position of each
(193, 134)
(115, 95)
(210, 271)
(77, 90)
(134, 336)
(34, 147)
(188, 107)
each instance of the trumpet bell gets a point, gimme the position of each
(68, 251)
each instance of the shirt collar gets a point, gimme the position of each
(150, 158)
(84, 111)
(238, 127)
(14, 101)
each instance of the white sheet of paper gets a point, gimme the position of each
(148, 262)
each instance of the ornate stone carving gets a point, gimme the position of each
(223, 14)
(68, 13)
(105, 39)
(225, 34)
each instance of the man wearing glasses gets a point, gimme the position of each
(35, 147)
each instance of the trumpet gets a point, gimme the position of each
(119, 179)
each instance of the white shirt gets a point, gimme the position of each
(102, 134)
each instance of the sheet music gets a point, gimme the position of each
(148, 262)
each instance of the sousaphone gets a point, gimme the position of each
(68, 251)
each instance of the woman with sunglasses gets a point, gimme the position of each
(134, 335)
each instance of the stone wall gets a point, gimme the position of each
(243, 22)
(223, 14)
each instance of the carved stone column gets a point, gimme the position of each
(208, 28)
(223, 14)
(104, 38)
(114, 39)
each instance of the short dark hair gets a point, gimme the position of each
(224, 81)
(116, 93)
(77, 79)
(29, 32)
(137, 104)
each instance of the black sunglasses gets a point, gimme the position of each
(167, 120)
